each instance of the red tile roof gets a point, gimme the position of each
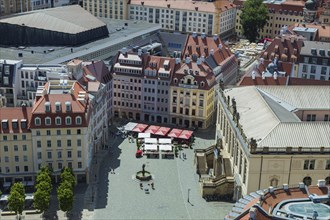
(10, 114)
(99, 70)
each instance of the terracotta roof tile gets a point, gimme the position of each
(10, 114)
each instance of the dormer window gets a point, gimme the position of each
(48, 121)
(78, 120)
(4, 124)
(14, 123)
(202, 84)
(58, 106)
(175, 81)
(37, 121)
(68, 106)
(23, 123)
(68, 120)
(182, 81)
(47, 106)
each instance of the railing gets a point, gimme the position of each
(188, 86)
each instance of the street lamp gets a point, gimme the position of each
(188, 195)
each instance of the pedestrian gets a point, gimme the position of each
(113, 171)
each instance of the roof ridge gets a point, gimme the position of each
(264, 101)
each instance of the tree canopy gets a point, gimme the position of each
(254, 17)
(16, 198)
(44, 188)
(65, 190)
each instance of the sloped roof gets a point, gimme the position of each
(69, 19)
(99, 70)
(11, 114)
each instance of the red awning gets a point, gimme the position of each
(186, 134)
(163, 131)
(140, 127)
(175, 133)
(152, 129)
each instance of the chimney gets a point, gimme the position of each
(199, 62)
(253, 213)
(220, 46)
(203, 35)
(263, 75)
(194, 35)
(301, 185)
(215, 37)
(262, 60)
(275, 75)
(202, 58)
(196, 8)
(253, 75)
(212, 51)
(139, 52)
(177, 60)
(187, 60)
(168, 5)
(270, 189)
(142, 3)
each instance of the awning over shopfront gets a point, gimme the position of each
(186, 134)
(140, 128)
(144, 135)
(165, 147)
(175, 133)
(162, 131)
(150, 140)
(130, 126)
(152, 129)
(150, 147)
(164, 141)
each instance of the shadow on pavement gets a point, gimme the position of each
(110, 161)
(207, 134)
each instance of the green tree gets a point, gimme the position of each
(16, 198)
(65, 196)
(44, 186)
(41, 200)
(68, 176)
(254, 17)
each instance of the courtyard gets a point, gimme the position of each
(119, 195)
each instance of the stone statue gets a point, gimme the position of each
(143, 171)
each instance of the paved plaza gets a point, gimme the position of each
(119, 196)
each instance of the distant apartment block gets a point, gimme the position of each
(314, 60)
(115, 9)
(275, 135)
(281, 13)
(186, 16)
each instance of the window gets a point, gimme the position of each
(59, 143)
(79, 154)
(274, 182)
(23, 137)
(69, 154)
(26, 168)
(38, 133)
(58, 121)
(17, 168)
(48, 121)
(307, 181)
(16, 159)
(326, 117)
(49, 143)
(59, 166)
(7, 159)
(48, 133)
(68, 120)
(309, 164)
(78, 131)
(39, 155)
(39, 144)
(24, 147)
(5, 148)
(79, 165)
(4, 137)
(58, 132)
(49, 155)
(68, 143)
(327, 165)
(15, 137)
(68, 132)
(25, 158)
(78, 142)
(15, 148)
(78, 120)
(69, 164)
(311, 117)
(37, 121)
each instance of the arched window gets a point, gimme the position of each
(58, 120)
(307, 181)
(68, 120)
(37, 121)
(327, 180)
(274, 182)
(78, 120)
(48, 121)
